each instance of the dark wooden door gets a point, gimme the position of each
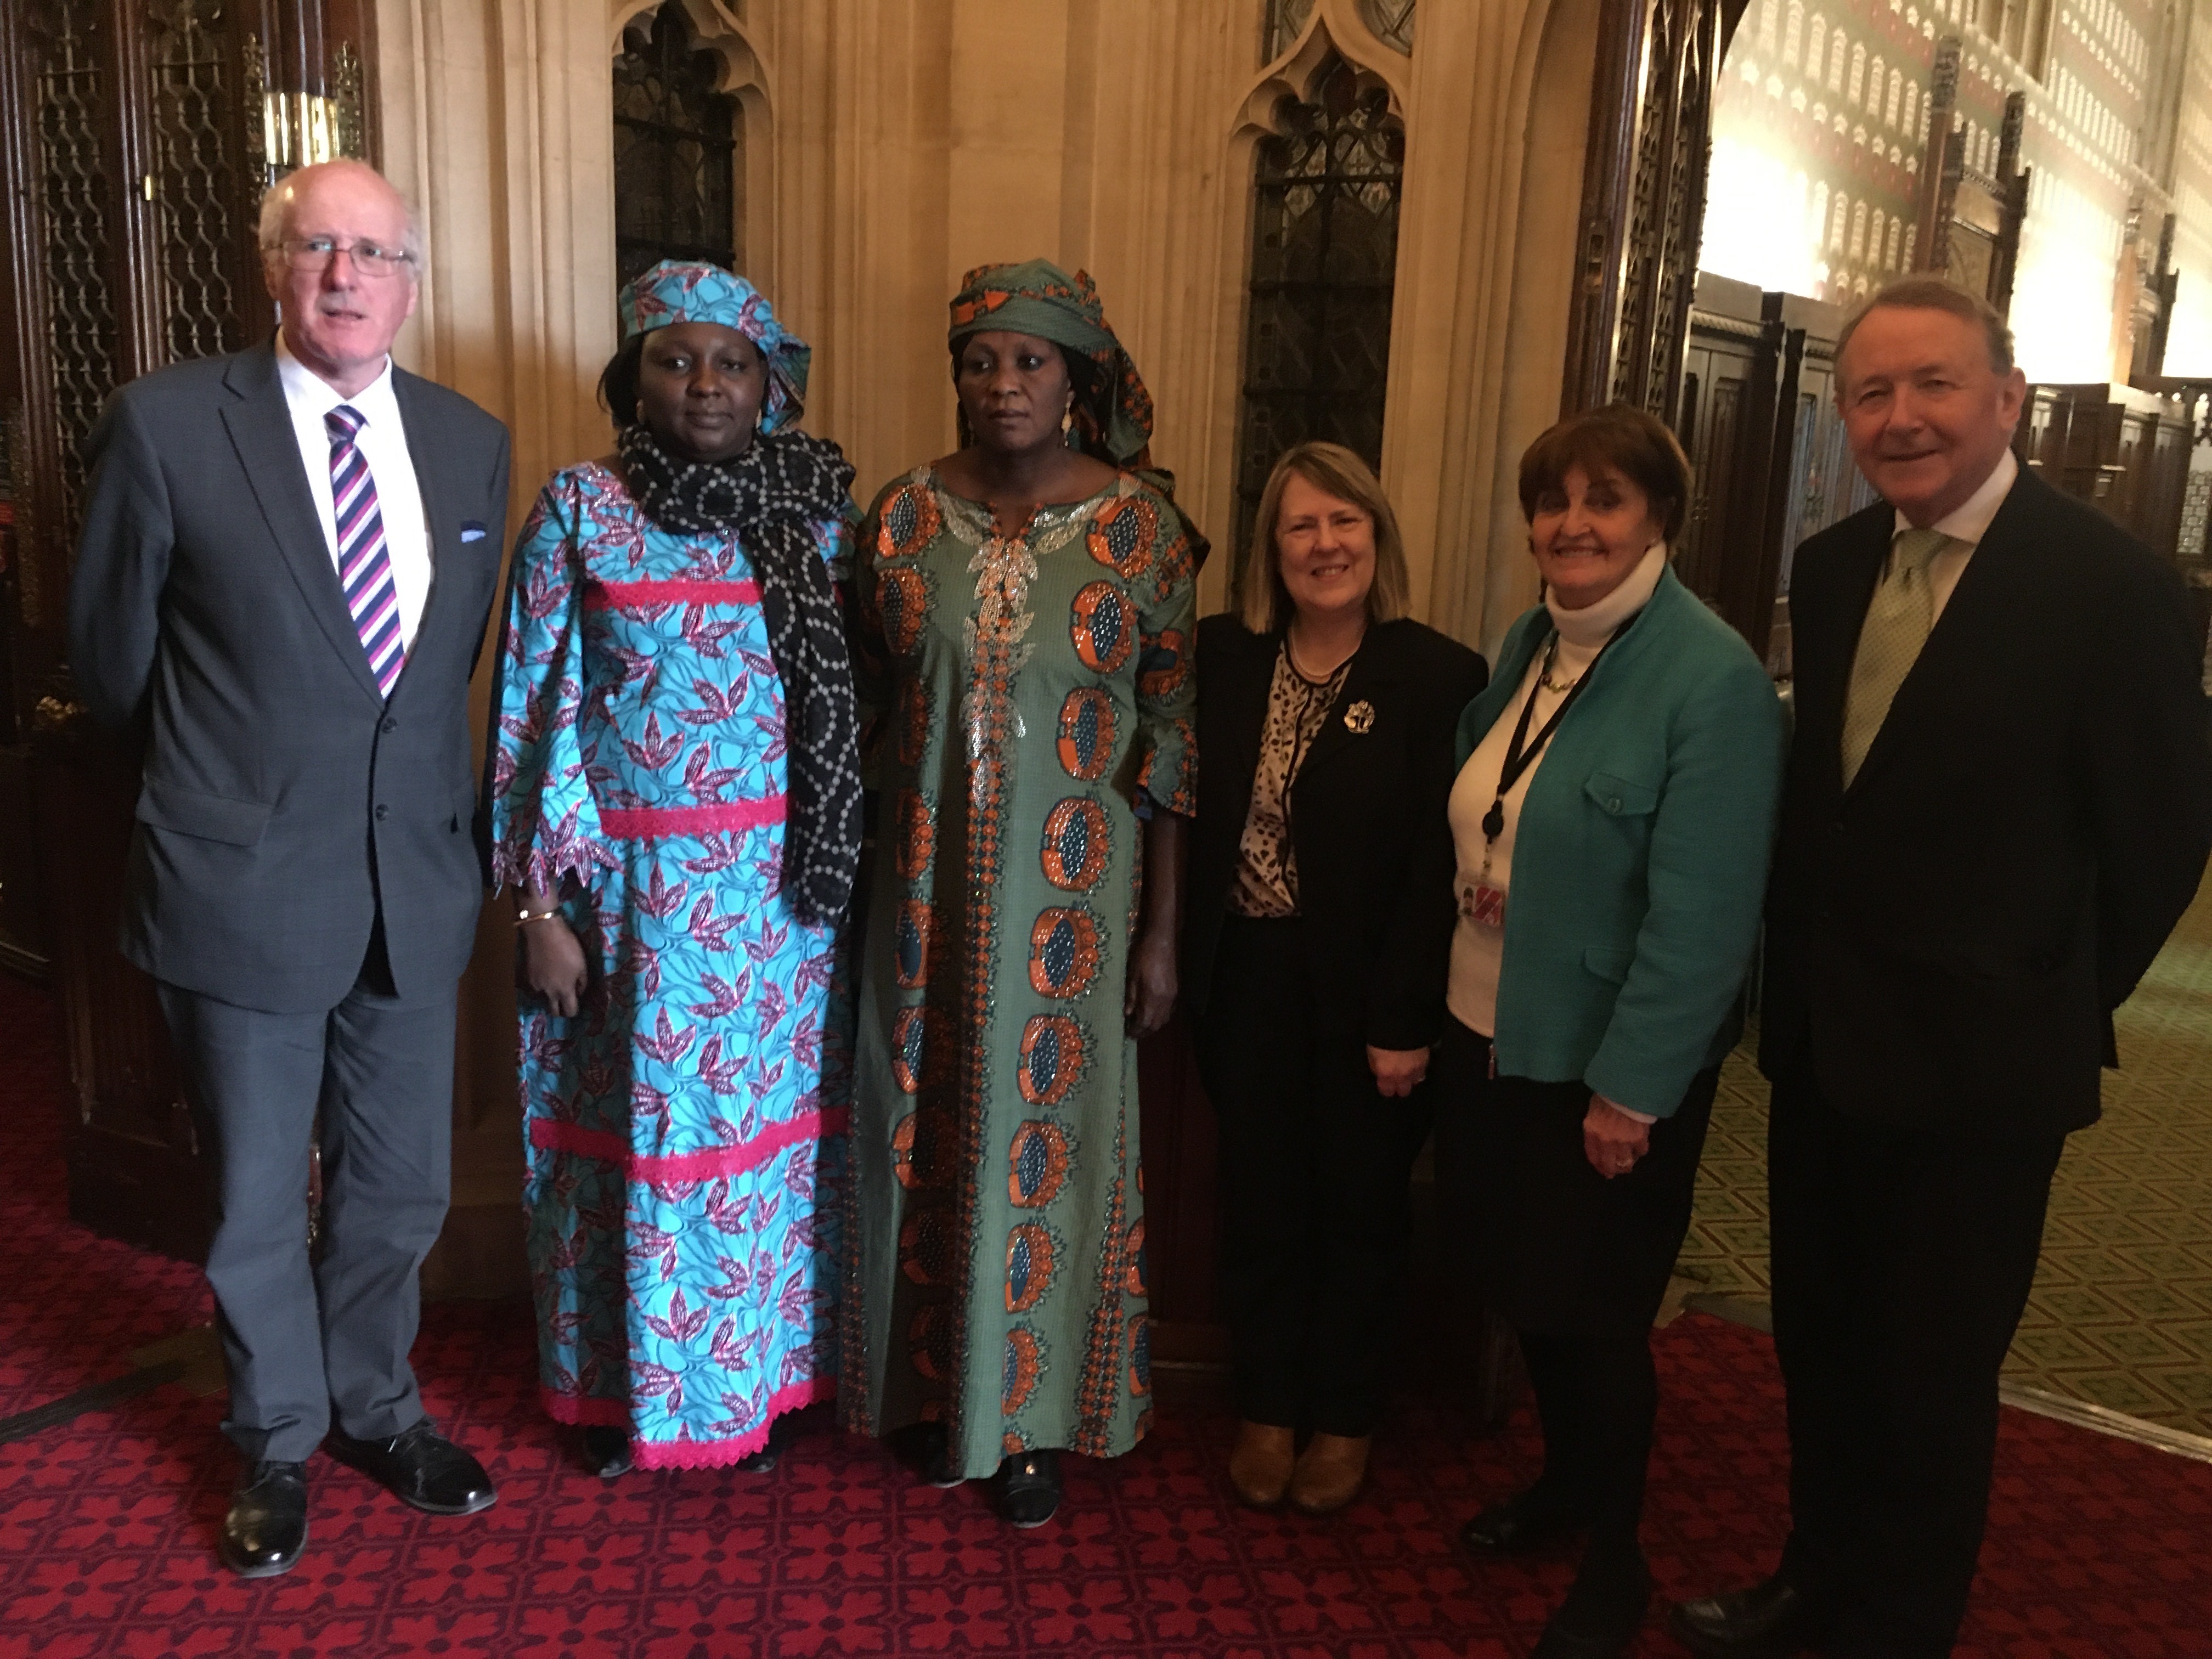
(137, 137)
(1644, 201)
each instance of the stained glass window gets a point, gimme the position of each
(1324, 257)
(1285, 19)
(677, 144)
(1392, 21)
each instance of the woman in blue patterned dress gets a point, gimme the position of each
(675, 796)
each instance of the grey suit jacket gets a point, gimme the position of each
(285, 806)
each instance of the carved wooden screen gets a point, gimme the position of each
(676, 144)
(1644, 201)
(1968, 222)
(137, 137)
(1324, 260)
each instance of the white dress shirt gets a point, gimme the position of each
(383, 444)
(1966, 528)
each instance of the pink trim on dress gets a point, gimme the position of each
(713, 1454)
(686, 1169)
(682, 590)
(578, 1412)
(659, 823)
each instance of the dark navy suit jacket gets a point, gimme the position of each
(286, 807)
(1947, 937)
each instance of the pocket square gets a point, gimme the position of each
(471, 531)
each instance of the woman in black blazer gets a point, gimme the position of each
(1315, 956)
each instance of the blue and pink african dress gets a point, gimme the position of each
(685, 1129)
(1037, 689)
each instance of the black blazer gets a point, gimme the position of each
(285, 806)
(1368, 817)
(1951, 935)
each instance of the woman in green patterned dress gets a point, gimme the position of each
(1025, 610)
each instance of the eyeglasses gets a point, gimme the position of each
(371, 259)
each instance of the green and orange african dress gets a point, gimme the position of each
(1036, 691)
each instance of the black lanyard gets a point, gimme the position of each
(1520, 753)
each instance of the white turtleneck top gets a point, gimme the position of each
(1478, 952)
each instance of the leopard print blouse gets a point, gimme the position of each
(1267, 862)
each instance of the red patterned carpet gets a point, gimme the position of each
(2098, 1549)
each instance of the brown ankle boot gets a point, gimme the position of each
(1260, 1467)
(1329, 1473)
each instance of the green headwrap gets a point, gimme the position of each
(1113, 421)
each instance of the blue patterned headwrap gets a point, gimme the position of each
(693, 291)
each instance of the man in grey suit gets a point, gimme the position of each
(289, 556)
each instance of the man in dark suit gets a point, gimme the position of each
(1998, 804)
(289, 559)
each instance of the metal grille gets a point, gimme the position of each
(676, 149)
(80, 320)
(1324, 258)
(193, 112)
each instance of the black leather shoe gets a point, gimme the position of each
(1770, 1620)
(421, 1466)
(267, 1526)
(1518, 1526)
(606, 1450)
(1029, 1488)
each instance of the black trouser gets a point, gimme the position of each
(1902, 1261)
(1578, 1264)
(1315, 1170)
(303, 1344)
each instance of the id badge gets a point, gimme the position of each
(1483, 904)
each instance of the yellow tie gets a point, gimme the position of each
(1898, 619)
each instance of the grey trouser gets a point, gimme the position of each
(305, 1343)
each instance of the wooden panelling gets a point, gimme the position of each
(2124, 450)
(135, 139)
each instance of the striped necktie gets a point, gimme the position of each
(364, 562)
(1899, 619)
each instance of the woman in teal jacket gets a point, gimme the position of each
(1613, 814)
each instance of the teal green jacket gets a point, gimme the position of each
(1640, 862)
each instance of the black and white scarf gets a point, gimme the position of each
(769, 498)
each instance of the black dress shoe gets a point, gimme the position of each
(606, 1450)
(1029, 1488)
(421, 1466)
(1770, 1620)
(267, 1526)
(1520, 1525)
